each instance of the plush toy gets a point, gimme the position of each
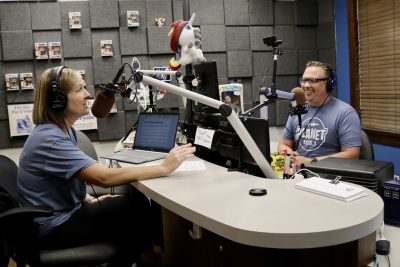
(185, 42)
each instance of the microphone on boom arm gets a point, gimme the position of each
(297, 100)
(105, 99)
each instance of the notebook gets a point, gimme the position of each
(342, 191)
(154, 138)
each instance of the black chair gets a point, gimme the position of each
(18, 233)
(85, 144)
(366, 150)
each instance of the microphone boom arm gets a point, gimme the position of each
(232, 118)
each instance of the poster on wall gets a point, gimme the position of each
(87, 122)
(20, 119)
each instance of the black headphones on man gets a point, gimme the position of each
(57, 100)
(331, 82)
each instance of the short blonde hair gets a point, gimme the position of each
(42, 111)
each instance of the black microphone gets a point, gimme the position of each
(105, 99)
(298, 106)
(281, 94)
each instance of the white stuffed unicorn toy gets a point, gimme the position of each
(185, 42)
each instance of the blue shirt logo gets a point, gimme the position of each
(314, 134)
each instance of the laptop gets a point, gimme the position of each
(154, 138)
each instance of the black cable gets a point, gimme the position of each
(296, 144)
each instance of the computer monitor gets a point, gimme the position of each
(228, 150)
(207, 77)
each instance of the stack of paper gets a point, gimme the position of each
(342, 191)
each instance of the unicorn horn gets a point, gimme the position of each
(191, 19)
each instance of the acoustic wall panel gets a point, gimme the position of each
(177, 10)
(42, 65)
(24, 96)
(3, 105)
(104, 14)
(328, 55)
(287, 83)
(220, 59)
(286, 34)
(77, 44)
(105, 69)
(208, 12)
(305, 38)
(261, 12)
(17, 45)
(235, 37)
(138, 5)
(326, 11)
(257, 34)
(75, 6)
(133, 41)
(112, 127)
(15, 17)
(158, 9)
(213, 38)
(105, 34)
(306, 13)
(237, 12)
(326, 35)
(303, 56)
(46, 16)
(262, 63)
(158, 40)
(247, 90)
(239, 64)
(284, 13)
(84, 64)
(2, 78)
(47, 36)
(287, 63)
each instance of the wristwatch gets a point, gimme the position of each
(313, 160)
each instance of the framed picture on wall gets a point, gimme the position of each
(26, 80)
(132, 18)
(11, 81)
(106, 48)
(75, 20)
(41, 51)
(20, 119)
(54, 49)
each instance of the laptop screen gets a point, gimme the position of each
(156, 131)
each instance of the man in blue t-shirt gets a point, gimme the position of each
(330, 128)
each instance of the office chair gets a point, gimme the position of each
(85, 144)
(366, 150)
(18, 232)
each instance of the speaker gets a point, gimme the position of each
(331, 82)
(58, 100)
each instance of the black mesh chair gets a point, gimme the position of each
(18, 232)
(85, 144)
(366, 150)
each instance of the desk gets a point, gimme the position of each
(285, 220)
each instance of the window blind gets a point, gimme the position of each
(378, 62)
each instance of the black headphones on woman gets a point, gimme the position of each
(57, 100)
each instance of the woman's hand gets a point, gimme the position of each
(176, 156)
(91, 199)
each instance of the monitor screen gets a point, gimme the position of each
(207, 77)
(228, 150)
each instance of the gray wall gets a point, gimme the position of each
(232, 35)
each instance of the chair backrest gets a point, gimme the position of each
(86, 145)
(366, 150)
(8, 175)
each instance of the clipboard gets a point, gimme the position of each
(332, 188)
